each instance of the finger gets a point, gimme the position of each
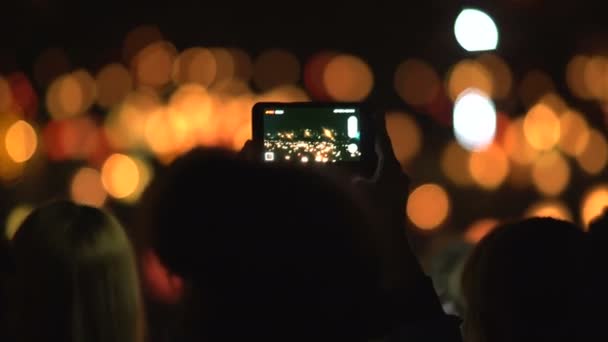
(384, 148)
(248, 150)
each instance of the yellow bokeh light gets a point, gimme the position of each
(542, 127)
(555, 102)
(158, 132)
(575, 76)
(594, 157)
(153, 65)
(574, 133)
(455, 164)
(594, 203)
(120, 176)
(114, 83)
(533, 86)
(549, 208)
(125, 126)
(21, 141)
(195, 65)
(6, 95)
(348, 78)
(500, 72)
(479, 229)
(595, 77)
(65, 97)
(405, 136)
(417, 82)
(428, 206)
(490, 167)
(515, 144)
(225, 64)
(145, 177)
(87, 189)
(274, 68)
(551, 174)
(15, 218)
(469, 74)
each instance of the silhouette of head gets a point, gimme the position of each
(523, 282)
(75, 277)
(274, 252)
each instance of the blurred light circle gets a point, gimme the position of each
(274, 68)
(534, 86)
(555, 102)
(516, 145)
(88, 86)
(243, 134)
(549, 208)
(120, 176)
(594, 157)
(479, 229)
(195, 65)
(65, 97)
(15, 218)
(551, 174)
(21, 141)
(502, 78)
(542, 127)
(225, 64)
(243, 66)
(114, 83)
(405, 136)
(24, 99)
(159, 133)
(476, 31)
(575, 77)
(595, 76)
(153, 64)
(75, 138)
(474, 120)
(348, 78)
(6, 95)
(51, 63)
(313, 75)
(428, 206)
(125, 126)
(146, 174)
(455, 164)
(574, 136)
(469, 74)
(288, 93)
(490, 167)
(137, 39)
(87, 188)
(416, 82)
(594, 202)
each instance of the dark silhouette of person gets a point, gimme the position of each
(275, 252)
(524, 282)
(597, 288)
(75, 278)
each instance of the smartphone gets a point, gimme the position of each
(316, 134)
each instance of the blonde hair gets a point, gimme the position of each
(76, 278)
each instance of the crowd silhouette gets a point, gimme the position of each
(283, 253)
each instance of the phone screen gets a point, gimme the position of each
(312, 134)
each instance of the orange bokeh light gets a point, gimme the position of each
(542, 127)
(500, 72)
(575, 77)
(6, 95)
(153, 65)
(595, 201)
(114, 83)
(551, 174)
(405, 136)
(195, 65)
(21, 141)
(549, 208)
(469, 74)
(225, 64)
(490, 167)
(594, 157)
(120, 176)
(137, 39)
(428, 206)
(274, 68)
(534, 86)
(87, 188)
(595, 77)
(575, 134)
(455, 164)
(348, 78)
(66, 97)
(417, 82)
(479, 229)
(515, 144)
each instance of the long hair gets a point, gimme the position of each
(76, 278)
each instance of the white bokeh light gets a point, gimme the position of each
(476, 31)
(474, 120)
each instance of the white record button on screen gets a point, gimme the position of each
(352, 148)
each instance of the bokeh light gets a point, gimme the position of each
(534, 86)
(75, 138)
(417, 82)
(575, 77)
(515, 144)
(574, 136)
(195, 65)
(153, 65)
(542, 127)
(243, 66)
(137, 39)
(313, 75)
(21, 141)
(594, 157)
(479, 229)
(225, 64)
(551, 174)
(502, 78)
(6, 95)
(348, 78)
(274, 68)
(455, 164)
(114, 83)
(87, 189)
(25, 98)
(490, 167)
(428, 206)
(594, 202)
(15, 218)
(120, 176)
(549, 208)
(405, 136)
(144, 170)
(469, 74)
(476, 31)
(66, 97)
(125, 126)
(595, 76)
(474, 120)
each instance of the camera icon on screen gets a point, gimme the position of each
(269, 156)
